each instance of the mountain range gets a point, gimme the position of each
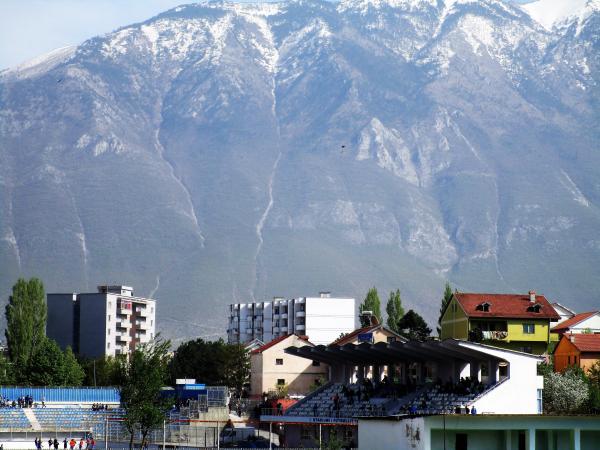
(226, 152)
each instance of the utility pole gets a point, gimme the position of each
(106, 433)
(164, 433)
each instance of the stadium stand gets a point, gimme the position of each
(352, 400)
(14, 418)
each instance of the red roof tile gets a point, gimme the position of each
(585, 342)
(512, 306)
(573, 321)
(275, 342)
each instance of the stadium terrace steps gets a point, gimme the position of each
(35, 424)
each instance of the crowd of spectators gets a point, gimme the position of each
(99, 407)
(87, 442)
(21, 402)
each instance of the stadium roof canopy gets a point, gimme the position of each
(383, 353)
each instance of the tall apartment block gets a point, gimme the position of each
(321, 318)
(109, 322)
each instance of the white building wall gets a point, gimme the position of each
(327, 318)
(590, 324)
(518, 393)
(393, 435)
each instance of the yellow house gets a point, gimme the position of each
(514, 321)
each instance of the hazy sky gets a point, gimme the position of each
(29, 28)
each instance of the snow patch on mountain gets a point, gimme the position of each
(41, 64)
(560, 13)
(388, 149)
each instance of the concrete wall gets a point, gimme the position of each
(60, 325)
(408, 434)
(483, 432)
(92, 325)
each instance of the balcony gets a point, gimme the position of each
(143, 312)
(283, 329)
(495, 335)
(275, 316)
(142, 324)
(123, 337)
(275, 329)
(284, 316)
(300, 327)
(249, 330)
(300, 313)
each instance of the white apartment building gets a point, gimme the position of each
(109, 322)
(321, 318)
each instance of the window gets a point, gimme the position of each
(461, 441)
(109, 317)
(391, 339)
(108, 345)
(316, 363)
(528, 328)
(280, 382)
(108, 331)
(540, 405)
(279, 362)
(575, 359)
(527, 349)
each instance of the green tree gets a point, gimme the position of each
(47, 367)
(412, 326)
(371, 303)
(101, 371)
(72, 371)
(565, 393)
(6, 371)
(394, 310)
(445, 300)
(212, 362)
(237, 371)
(26, 315)
(142, 377)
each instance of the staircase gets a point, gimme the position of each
(32, 419)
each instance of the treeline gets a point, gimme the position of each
(32, 358)
(410, 324)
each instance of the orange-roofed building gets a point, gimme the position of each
(581, 350)
(515, 321)
(271, 367)
(587, 322)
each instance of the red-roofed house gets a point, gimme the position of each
(514, 321)
(271, 367)
(587, 322)
(581, 350)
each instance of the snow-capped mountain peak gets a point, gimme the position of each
(559, 13)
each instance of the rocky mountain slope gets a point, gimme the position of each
(227, 152)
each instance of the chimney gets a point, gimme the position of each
(532, 296)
